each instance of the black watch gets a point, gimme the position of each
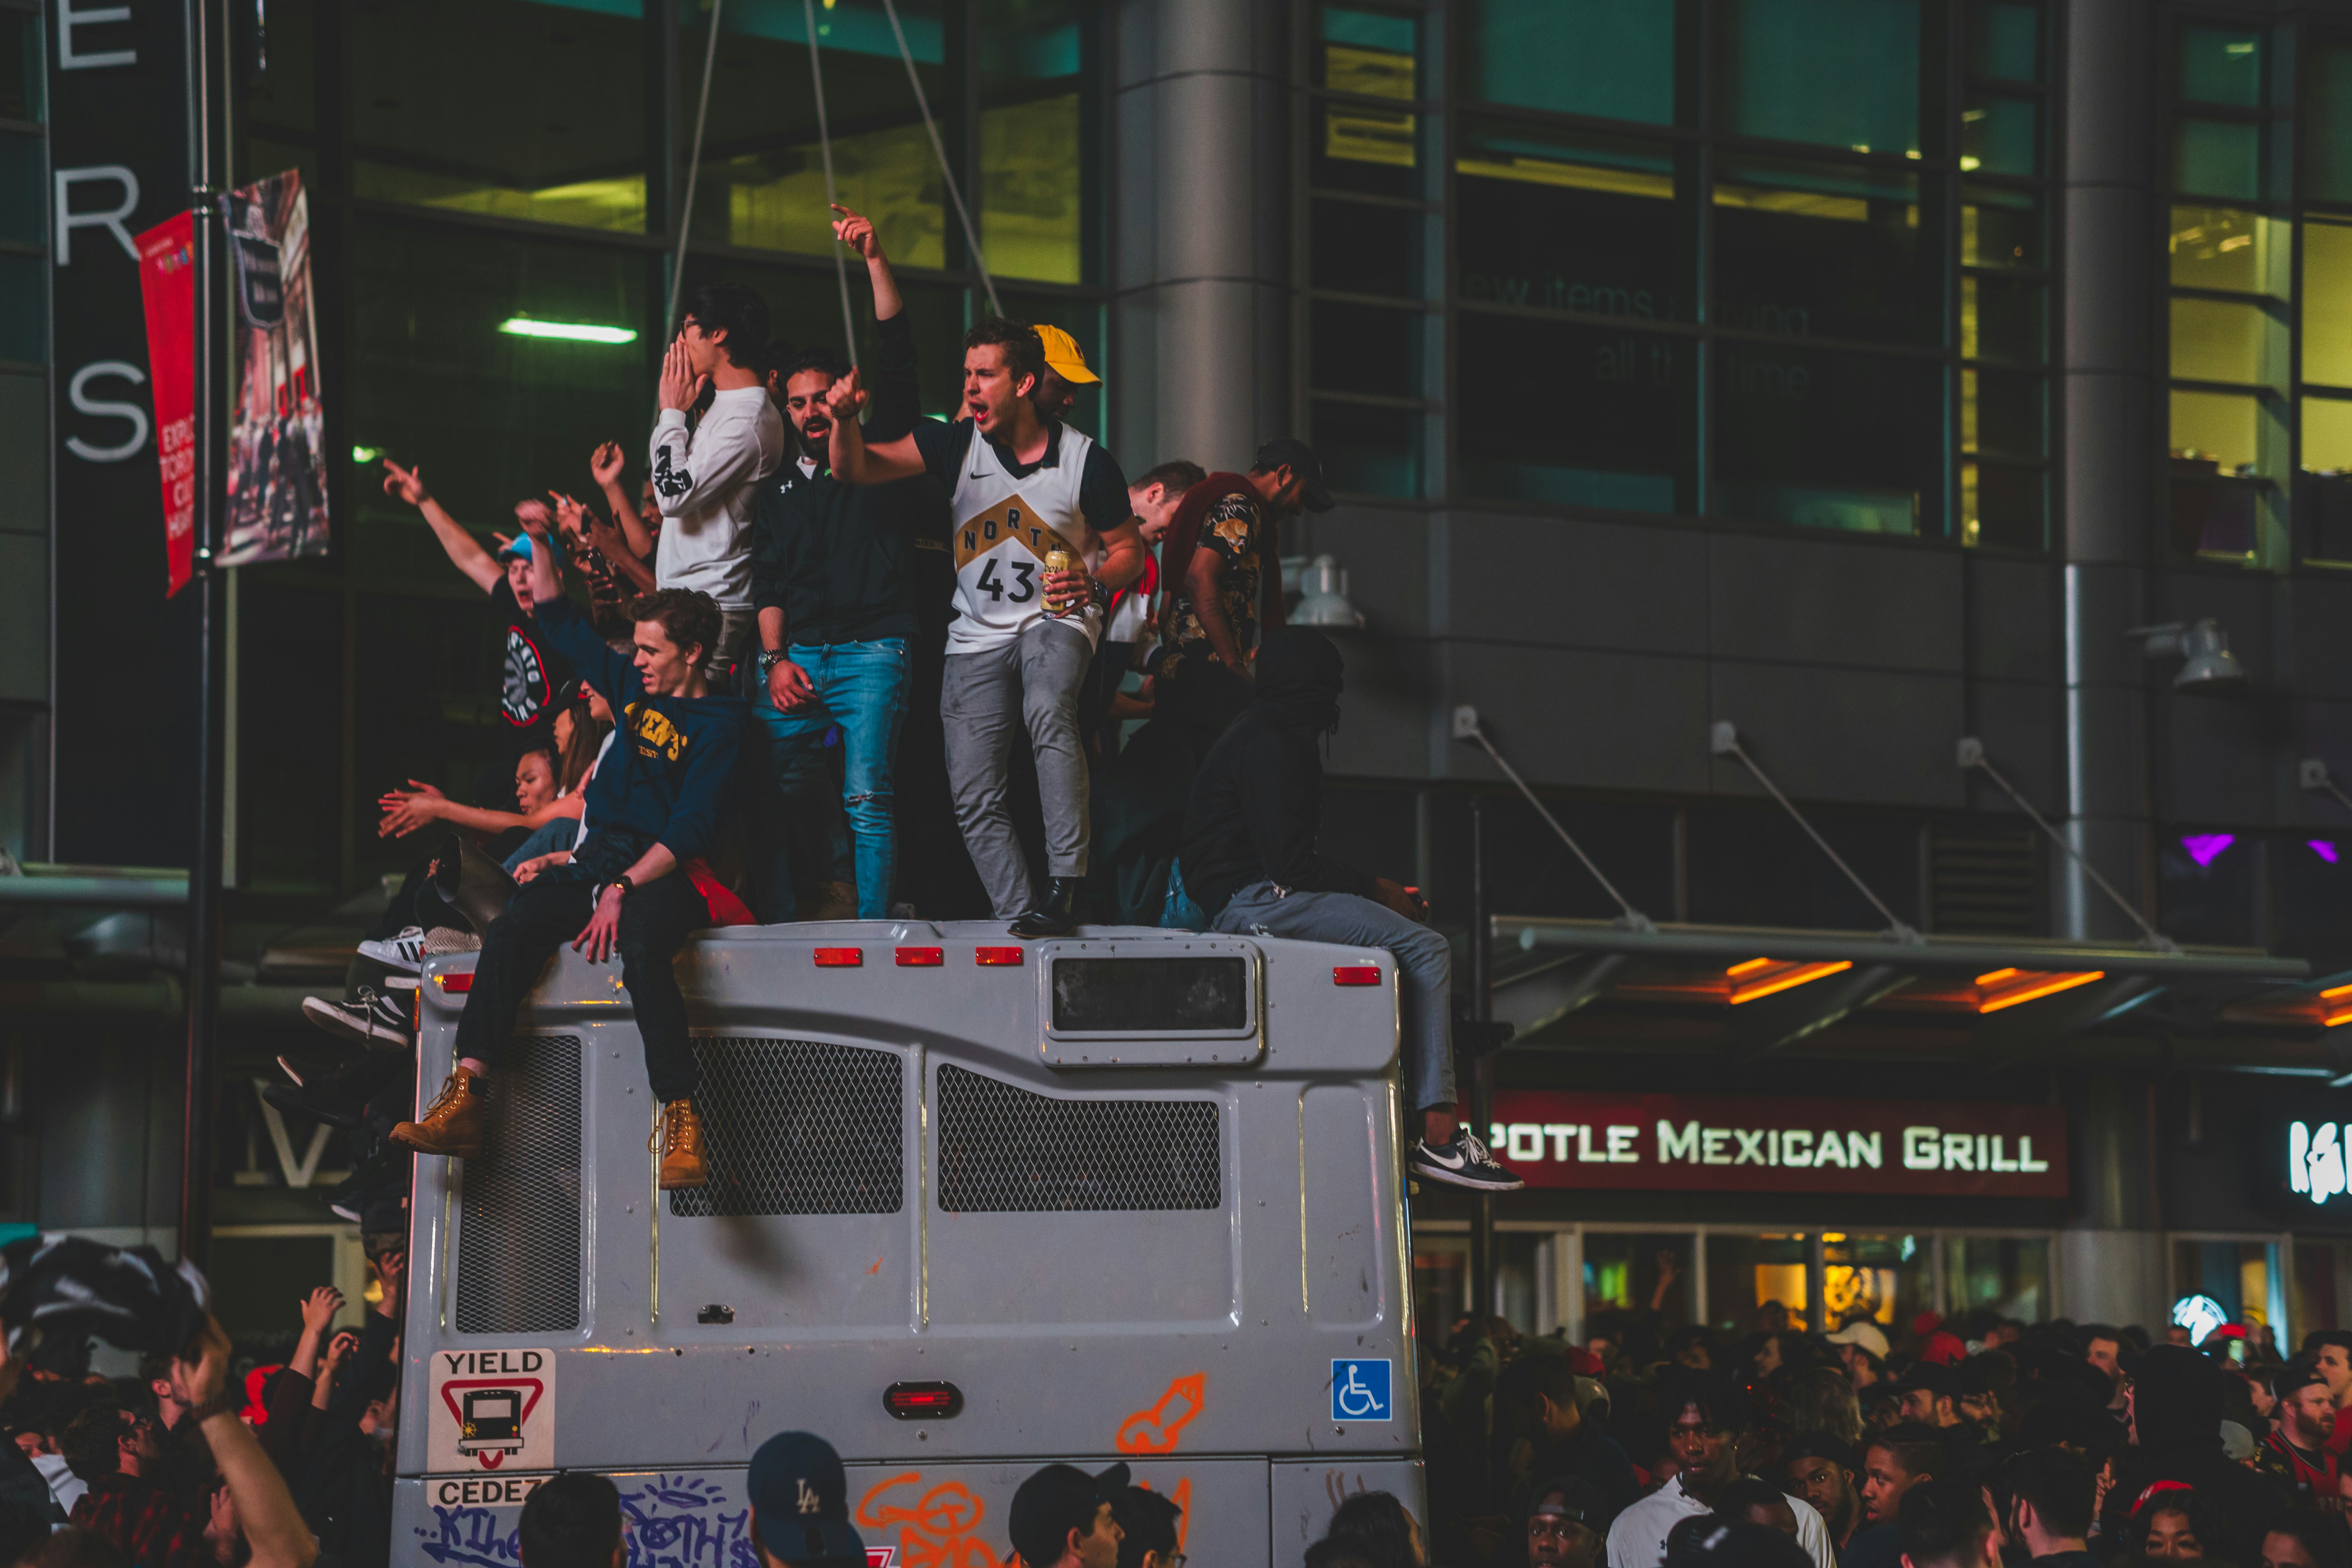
(623, 883)
(770, 658)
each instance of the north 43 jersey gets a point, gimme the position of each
(1000, 539)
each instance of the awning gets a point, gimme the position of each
(1604, 984)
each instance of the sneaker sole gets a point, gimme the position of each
(375, 1037)
(391, 957)
(1464, 1179)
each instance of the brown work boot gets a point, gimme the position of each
(453, 1126)
(680, 1140)
(834, 901)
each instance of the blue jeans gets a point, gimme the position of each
(860, 688)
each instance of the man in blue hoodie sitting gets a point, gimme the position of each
(653, 804)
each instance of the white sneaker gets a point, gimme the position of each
(404, 953)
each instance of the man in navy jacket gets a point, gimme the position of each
(654, 804)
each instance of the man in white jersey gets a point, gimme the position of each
(706, 482)
(1021, 486)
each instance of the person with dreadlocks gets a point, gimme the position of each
(1249, 860)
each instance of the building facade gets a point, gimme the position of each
(1864, 374)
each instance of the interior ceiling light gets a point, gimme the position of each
(1760, 977)
(566, 332)
(2011, 987)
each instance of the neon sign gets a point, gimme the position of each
(2315, 1160)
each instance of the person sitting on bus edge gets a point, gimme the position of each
(652, 805)
(1249, 860)
(1022, 638)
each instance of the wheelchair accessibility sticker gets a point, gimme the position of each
(1360, 1391)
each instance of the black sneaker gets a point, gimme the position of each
(1463, 1162)
(338, 1099)
(380, 1179)
(375, 1020)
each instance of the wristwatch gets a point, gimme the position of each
(770, 658)
(624, 884)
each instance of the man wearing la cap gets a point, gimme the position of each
(1061, 1518)
(1220, 562)
(800, 1505)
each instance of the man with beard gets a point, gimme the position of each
(834, 587)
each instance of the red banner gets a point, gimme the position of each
(1673, 1142)
(167, 277)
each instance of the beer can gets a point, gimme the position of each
(1058, 559)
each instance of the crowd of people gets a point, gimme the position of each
(822, 621)
(216, 1456)
(1977, 1443)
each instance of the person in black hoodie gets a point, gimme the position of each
(1250, 861)
(653, 806)
(2176, 1408)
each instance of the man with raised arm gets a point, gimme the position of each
(652, 806)
(1022, 487)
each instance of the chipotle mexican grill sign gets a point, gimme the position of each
(1676, 1143)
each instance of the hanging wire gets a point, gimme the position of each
(1633, 918)
(824, 145)
(1972, 755)
(1727, 742)
(955, 194)
(693, 169)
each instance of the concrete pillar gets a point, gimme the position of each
(1201, 253)
(2111, 397)
(2110, 1265)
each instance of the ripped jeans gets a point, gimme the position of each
(861, 691)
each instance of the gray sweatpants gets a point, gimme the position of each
(1424, 969)
(1034, 679)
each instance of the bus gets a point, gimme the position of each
(1130, 1195)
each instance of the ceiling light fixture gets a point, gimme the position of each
(566, 332)
(2207, 663)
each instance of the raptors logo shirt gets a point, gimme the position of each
(533, 678)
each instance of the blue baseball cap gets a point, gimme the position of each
(801, 1495)
(520, 548)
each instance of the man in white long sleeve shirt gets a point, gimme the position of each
(705, 481)
(1707, 1414)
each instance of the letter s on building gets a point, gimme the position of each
(77, 390)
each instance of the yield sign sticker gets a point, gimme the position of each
(490, 1408)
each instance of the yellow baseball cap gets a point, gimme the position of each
(1063, 354)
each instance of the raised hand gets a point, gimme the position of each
(604, 464)
(847, 398)
(391, 1269)
(679, 386)
(404, 484)
(856, 232)
(319, 1309)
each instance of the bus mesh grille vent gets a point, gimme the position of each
(798, 1127)
(1004, 1150)
(519, 1215)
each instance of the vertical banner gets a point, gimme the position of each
(167, 280)
(276, 458)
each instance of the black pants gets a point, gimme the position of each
(550, 910)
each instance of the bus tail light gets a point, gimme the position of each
(921, 957)
(1356, 974)
(1011, 956)
(840, 957)
(922, 1401)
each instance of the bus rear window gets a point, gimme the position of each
(1126, 996)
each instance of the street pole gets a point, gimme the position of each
(1481, 1069)
(205, 46)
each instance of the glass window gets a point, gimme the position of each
(2217, 158)
(1745, 1274)
(1367, 150)
(2010, 1275)
(2221, 65)
(2311, 883)
(24, 307)
(2219, 428)
(1441, 1283)
(1600, 58)
(2001, 135)
(1842, 73)
(23, 189)
(2228, 249)
(1821, 250)
(540, 115)
(1883, 1280)
(763, 181)
(285, 96)
(1368, 448)
(2227, 340)
(1574, 415)
(2005, 41)
(20, 65)
(2327, 123)
(1032, 141)
(2001, 413)
(1570, 222)
(2207, 886)
(1361, 247)
(491, 413)
(2003, 506)
(2327, 435)
(1999, 227)
(1366, 348)
(1620, 1278)
(2001, 318)
(1369, 52)
(2320, 1287)
(2327, 303)
(1829, 440)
